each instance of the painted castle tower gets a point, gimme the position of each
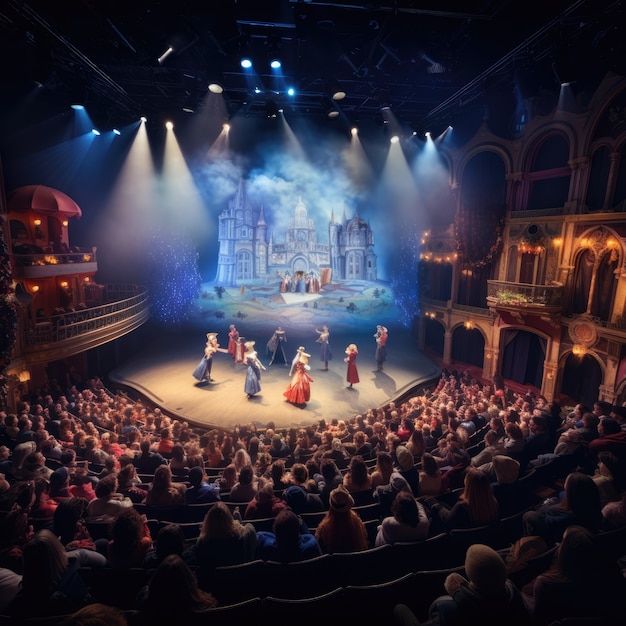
(246, 255)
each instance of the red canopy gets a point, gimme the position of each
(42, 199)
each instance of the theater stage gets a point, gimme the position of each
(162, 372)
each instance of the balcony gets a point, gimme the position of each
(52, 264)
(126, 308)
(521, 300)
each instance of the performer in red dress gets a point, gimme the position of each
(299, 390)
(233, 335)
(352, 375)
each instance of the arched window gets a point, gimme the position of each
(549, 175)
(244, 265)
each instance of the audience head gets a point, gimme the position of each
(340, 500)
(485, 569)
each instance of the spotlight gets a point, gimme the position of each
(246, 63)
(143, 119)
(78, 107)
(96, 132)
(169, 125)
(117, 132)
(226, 127)
(334, 89)
(395, 139)
(275, 64)
(165, 54)
(291, 91)
(216, 88)
(354, 130)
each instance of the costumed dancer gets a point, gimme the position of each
(233, 335)
(295, 360)
(325, 353)
(352, 375)
(277, 343)
(203, 369)
(240, 349)
(252, 385)
(381, 335)
(299, 390)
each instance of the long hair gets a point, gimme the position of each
(582, 498)
(575, 555)
(219, 523)
(162, 480)
(384, 463)
(477, 492)
(44, 561)
(359, 474)
(173, 591)
(429, 465)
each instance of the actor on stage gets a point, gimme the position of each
(253, 373)
(203, 369)
(240, 349)
(325, 353)
(276, 343)
(233, 335)
(295, 360)
(352, 375)
(381, 343)
(299, 390)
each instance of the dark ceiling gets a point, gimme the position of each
(431, 62)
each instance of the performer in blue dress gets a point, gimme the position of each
(252, 385)
(203, 369)
(325, 352)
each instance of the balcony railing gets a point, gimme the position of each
(53, 258)
(521, 294)
(123, 302)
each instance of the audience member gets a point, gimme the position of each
(173, 595)
(486, 597)
(287, 543)
(224, 540)
(200, 490)
(51, 580)
(580, 506)
(341, 530)
(409, 521)
(164, 492)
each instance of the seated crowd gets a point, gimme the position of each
(452, 456)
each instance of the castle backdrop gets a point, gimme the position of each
(250, 255)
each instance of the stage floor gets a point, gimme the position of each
(162, 372)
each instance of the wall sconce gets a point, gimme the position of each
(35, 288)
(37, 222)
(550, 375)
(557, 242)
(24, 376)
(579, 350)
(65, 223)
(64, 284)
(86, 279)
(469, 325)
